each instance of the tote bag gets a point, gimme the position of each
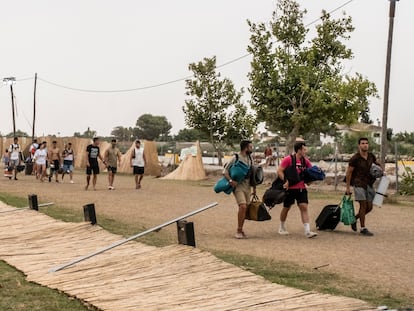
(347, 211)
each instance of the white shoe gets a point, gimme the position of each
(72, 182)
(310, 234)
(283, 231)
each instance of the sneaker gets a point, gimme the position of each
(240, 235)
(354, 226)
(72, 182)
(283, 231)
(310, 234)
(366, 232)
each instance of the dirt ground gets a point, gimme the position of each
(385, 260)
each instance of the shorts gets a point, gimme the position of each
(67, 168)
(362, 194)
(300, 195)
(94, 169)
(14, 163)
(242, 193)
(55, 166)
(138, 170)
(112, 169)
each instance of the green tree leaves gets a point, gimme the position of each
(213, 106)
(298, 85)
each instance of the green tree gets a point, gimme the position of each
(349, 142)
(123, 133)
(213, 107)
(151, 127)
(298, 86)
(87, 134)
(190, 135)
(19, 133)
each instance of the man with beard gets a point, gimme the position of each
(358, 175)
(242, 189)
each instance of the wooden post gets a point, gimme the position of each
(89, 213)
(33, 202)
(185, 231)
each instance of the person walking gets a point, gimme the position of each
(138, 163)
(68, 161)
(55, 160)
(30, 163)
(242, 189)
(358, 175)
(92, 166)
(112, 157)
(268, 156)
(15, 156)
(6, 158)
(40, 158)
(295, 192)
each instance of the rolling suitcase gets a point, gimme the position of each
(329, 217)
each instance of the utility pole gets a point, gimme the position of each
(10, 81)
(384, 143)
(34, 107)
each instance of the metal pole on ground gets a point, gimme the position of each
(71, 263)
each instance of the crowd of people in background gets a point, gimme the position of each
(52, 163)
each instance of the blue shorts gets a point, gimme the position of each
(67, 168)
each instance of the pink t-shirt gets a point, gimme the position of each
(287, 161)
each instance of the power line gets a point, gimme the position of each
(168, 82)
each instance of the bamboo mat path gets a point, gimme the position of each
(135, 276)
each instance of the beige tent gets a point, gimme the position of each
(79, 145)
(152, 165)
(190, 168)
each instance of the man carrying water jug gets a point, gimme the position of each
(358, 175)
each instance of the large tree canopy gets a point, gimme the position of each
(298, 85)
(214, 108)
(151, 127)
(123, 133)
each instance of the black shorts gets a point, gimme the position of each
(94, 169)
(56, 166)
(112, 169)
(138, 170)
(300, 195)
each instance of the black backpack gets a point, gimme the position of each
(291, 173)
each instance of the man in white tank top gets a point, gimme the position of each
(138, 163)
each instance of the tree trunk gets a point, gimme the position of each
(291, 139)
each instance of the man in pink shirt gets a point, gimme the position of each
(297, 191)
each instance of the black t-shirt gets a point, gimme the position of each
(93, 152)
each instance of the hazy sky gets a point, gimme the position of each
(116, 45)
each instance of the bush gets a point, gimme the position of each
(407, 182)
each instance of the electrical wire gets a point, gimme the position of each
(168, 82)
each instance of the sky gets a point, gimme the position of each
(146, 47)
